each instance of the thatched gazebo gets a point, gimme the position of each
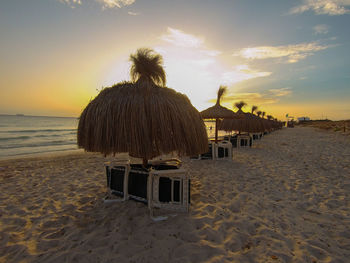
(142, 117)
(218, 112)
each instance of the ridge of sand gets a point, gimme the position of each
(284, 200)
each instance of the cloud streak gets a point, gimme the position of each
(280, 92)
(321, 29)
(115, 3)
(179, 38)
(197, 70)
(71, 3)
(133, 13)
(241, 73)
(291, 53)
(323, 7)
(105, 3)
(255, 98)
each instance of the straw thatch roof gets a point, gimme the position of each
(142, 118)
(254, 108)
(247, 123)
(217, 111)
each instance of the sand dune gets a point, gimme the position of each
(284, 200)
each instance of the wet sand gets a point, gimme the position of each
(287, 199)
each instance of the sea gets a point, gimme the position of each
(210, 126)
(22, 135)
(28, 135)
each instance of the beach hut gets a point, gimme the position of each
(144, 118)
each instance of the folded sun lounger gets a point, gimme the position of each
(163, 184)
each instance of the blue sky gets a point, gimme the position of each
(283, 56)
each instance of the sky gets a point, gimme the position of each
(286, 57)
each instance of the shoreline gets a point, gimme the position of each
(40, 155)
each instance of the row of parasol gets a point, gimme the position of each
(146, 119)
(247, 122)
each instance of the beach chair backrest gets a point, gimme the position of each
(169, 189)
(117, 179)
(137, 183)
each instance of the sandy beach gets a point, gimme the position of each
(284, 200)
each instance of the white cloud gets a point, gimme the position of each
(320, 29)
(71, 3)
(191, 68)
(179, 38)
(292, 53)
(133, 13)
(115, 3)
(104, 3)
(251, 98)
(323, 7)
(255, 98)
(241, 73)
(280, 92)
(197, 70)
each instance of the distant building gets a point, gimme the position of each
(303, 118)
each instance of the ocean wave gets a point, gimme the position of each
(39, 144)
(15, 138)
(31, 152)
(43, 136)
(39, 130)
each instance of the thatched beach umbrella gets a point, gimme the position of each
(273, 122)
(217, 111)
(142, 117)
(259, 113)
(263, 121)
(259, 124)
(247, 123)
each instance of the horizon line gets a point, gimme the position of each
(27, 115)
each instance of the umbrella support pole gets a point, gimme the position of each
(144, 163)
(216, 130)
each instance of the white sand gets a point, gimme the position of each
(285, 200)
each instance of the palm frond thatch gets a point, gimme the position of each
(247, 123)
(119, 119)
(222, 90)
(240, 104)
(146, 65)
(217, 111)
(254, 108)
